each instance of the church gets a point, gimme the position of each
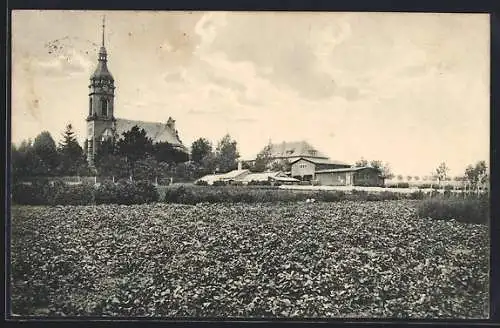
(101, 122)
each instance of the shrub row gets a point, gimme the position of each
(43, 192)
(468, 209)
(126, 193)
(235, 194)
(59, 193)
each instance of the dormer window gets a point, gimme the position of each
(104, 107)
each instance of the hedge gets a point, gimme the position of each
(59, 193)
(236, 194)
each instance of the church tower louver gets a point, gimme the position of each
(101, 122)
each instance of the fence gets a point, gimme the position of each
(94, 180)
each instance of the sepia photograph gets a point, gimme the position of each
(249, 165)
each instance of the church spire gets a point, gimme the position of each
(102, 52)
(103, 28)
(102, 71)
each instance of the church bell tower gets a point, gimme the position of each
(100, 120)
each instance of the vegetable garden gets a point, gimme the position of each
(295, 260)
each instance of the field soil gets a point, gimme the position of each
(330, 260)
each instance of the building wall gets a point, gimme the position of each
(334, 178)
(368, 177)
(302, 168)
(95, 130)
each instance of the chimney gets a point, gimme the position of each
(239, 165)
(171, 123)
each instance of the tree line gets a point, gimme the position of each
(133, 155)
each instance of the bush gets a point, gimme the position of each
(146, 192)
(219, 183)
(331, 196)
(126, 193)
(201, 183)
(45, 192)
(471, 209)
(108, 193)
(419, 194)
(34, 193)
(62, 194)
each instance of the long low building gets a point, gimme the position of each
(354, 176)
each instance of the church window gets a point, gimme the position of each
(104, 107)
(90, 107)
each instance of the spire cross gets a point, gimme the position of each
(103, 27)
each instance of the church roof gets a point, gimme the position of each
(295, 149)
(159, 132)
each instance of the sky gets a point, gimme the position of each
(410, 89)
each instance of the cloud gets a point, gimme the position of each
(66, 64)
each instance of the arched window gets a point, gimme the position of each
(104, 107)
(90, 106)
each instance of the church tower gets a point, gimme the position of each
(101, 122)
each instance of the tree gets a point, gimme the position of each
(166, 152)
(227, 154)
(70, 153)
(199, 149)
(114, 166)
(282, 166)
(185, 171)
(442, 172)
(477, 175)
(146, 169)
(384, 169)
(209, 163)
(108, 162)
(416, 178)
(408, 178)
(400, 177)
(134, 145)
(361, 163)
(263, 159)
(22, 160)
(45, 150)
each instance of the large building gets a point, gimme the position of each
(101, 121)
(305, 168)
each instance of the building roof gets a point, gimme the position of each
(264, 176)
(102, 72)
(234, 174)
(159, 132)
(350, 169)
(320, 161)
(295, 149)
(211, 178)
